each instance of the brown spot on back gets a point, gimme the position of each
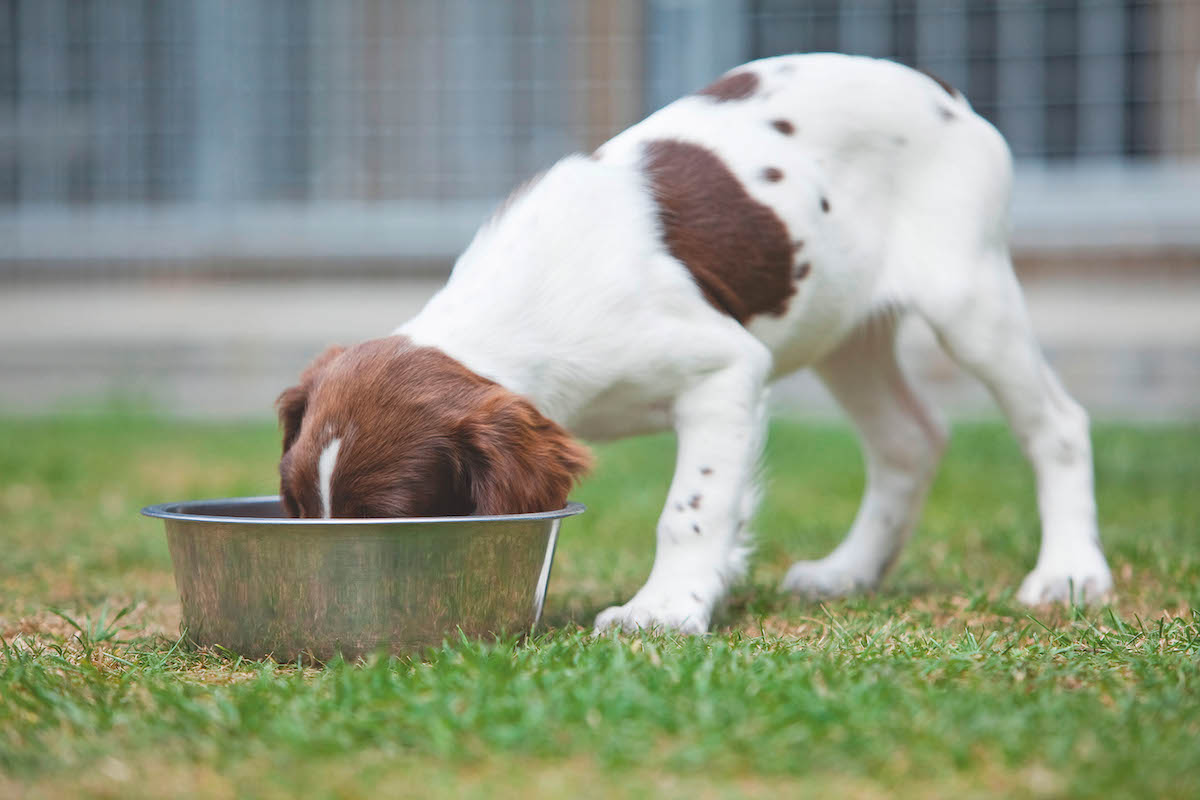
(737, 249)
(783, 126)
(772, 174)
(946, 114)
(950, 90)
(694, 503)
(706, 471)
(825, 204)
(734, 86)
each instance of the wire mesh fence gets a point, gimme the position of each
(153, 131)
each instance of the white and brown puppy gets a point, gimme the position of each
(787, 216)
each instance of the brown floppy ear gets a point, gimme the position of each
(518, 461)
(293, 401)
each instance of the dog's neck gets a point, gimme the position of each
(524, 302)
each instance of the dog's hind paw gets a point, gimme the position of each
(818, 579)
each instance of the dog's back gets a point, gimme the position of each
(876, 172)
(794, 198)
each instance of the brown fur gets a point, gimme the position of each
(736, 248)
(421, 436)
(736, 86)
(783, 126)
(292, 403)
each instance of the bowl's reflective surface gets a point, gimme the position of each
(259, 584)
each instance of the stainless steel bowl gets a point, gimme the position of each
(260, 584)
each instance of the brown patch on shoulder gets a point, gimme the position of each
(734, 86)
(783, 126)
(421, 435)
(772, 174)
(737, 249)
(947, 87)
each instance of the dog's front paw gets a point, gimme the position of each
(659, 615)
(1085, 580)
(826, 578)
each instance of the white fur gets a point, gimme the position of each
(570, 298)
(325, 466)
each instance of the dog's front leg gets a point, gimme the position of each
(702, 533)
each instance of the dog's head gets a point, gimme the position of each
(389, 429)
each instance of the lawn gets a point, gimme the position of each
(938, 685)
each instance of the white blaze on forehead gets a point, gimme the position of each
(325, 465)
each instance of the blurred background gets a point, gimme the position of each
(196, 196)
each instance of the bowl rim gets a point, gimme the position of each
(172, 511)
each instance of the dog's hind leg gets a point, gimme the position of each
(983, 324)
(902, 441)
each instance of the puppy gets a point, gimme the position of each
(789, 215)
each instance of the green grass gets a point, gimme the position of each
(938, 685)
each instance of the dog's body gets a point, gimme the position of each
(789, 215)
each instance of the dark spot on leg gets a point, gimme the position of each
(696, 528)
(735, 86)
(825, 204)
(695, 501)
(706, 470)
(738, 250)
(772, 174)
(783, 126)
(946, 114)
(803, 270)
(950, 90)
